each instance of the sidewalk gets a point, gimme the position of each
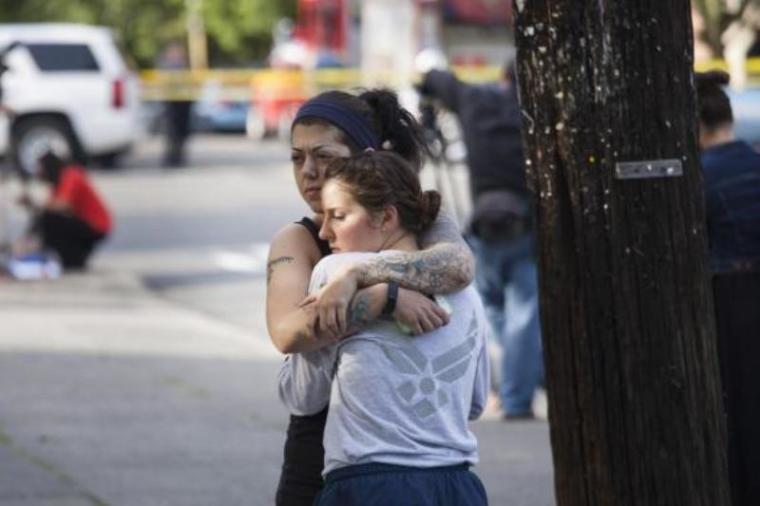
(110, 394)
(115, 394)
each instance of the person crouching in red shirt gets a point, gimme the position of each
(74, 219)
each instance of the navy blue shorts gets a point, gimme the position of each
(384, 484)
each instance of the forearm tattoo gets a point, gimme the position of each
(359, 315)
(446, 266)
(274, 263)
(444, 269)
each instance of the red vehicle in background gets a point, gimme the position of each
(478, 12)
(322, 28)
(318, 40)
(326, 33)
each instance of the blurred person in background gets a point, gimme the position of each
(4, 109)
(397, 426)
(732, 199)
(5, 171)
(501, 229)
(335, 125)
(73, 220)
(176, 109)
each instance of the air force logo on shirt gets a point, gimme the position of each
(426, 391)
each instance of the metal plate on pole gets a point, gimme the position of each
(648, 169)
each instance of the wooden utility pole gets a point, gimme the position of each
(628, 325)
(196, 35)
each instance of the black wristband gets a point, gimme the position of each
(390, 302)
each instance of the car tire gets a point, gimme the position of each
(33, 137)
(108, 161)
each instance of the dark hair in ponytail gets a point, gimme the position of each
(396, 127)
(430, 205)
(713, 103)
(51, 166)
(377, 179)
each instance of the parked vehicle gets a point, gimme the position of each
(276, 95)
(69, 89)
(215, 111)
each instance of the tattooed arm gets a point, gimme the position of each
(292, 256)
(305, 378)
(445, 265)
(291, 322)
(292, 319)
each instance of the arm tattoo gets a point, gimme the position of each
(273, 263)
(359, 315)
(359, 312)
(445, 265)
(441, 269)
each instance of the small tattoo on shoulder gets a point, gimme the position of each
(274, 263)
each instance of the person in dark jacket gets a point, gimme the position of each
(177, 110)
(501, 230)
(732, 197)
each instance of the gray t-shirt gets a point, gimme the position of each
(393, 398)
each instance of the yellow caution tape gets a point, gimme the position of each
(295, 85)
(753, 67)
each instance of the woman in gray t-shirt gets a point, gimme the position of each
(397, 429)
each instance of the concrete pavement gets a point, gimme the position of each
(150, 380)
(110, 395)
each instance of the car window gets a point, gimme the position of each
(63, 57)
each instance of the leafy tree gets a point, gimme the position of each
(239, 31)
(730, 30)
(719, 15)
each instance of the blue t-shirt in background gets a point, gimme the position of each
(732, 197)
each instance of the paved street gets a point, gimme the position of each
(150, 380)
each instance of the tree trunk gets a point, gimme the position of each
(627, 316)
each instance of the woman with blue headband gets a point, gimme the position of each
(330, 126)
(397, 428)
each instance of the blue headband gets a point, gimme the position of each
(352, 124)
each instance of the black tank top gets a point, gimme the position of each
(301, 476)
(324, 246)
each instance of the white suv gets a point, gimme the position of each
(70, 90)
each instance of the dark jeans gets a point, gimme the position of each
(177, 114)
(737, 307)
(71, 238)
(301, 478)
